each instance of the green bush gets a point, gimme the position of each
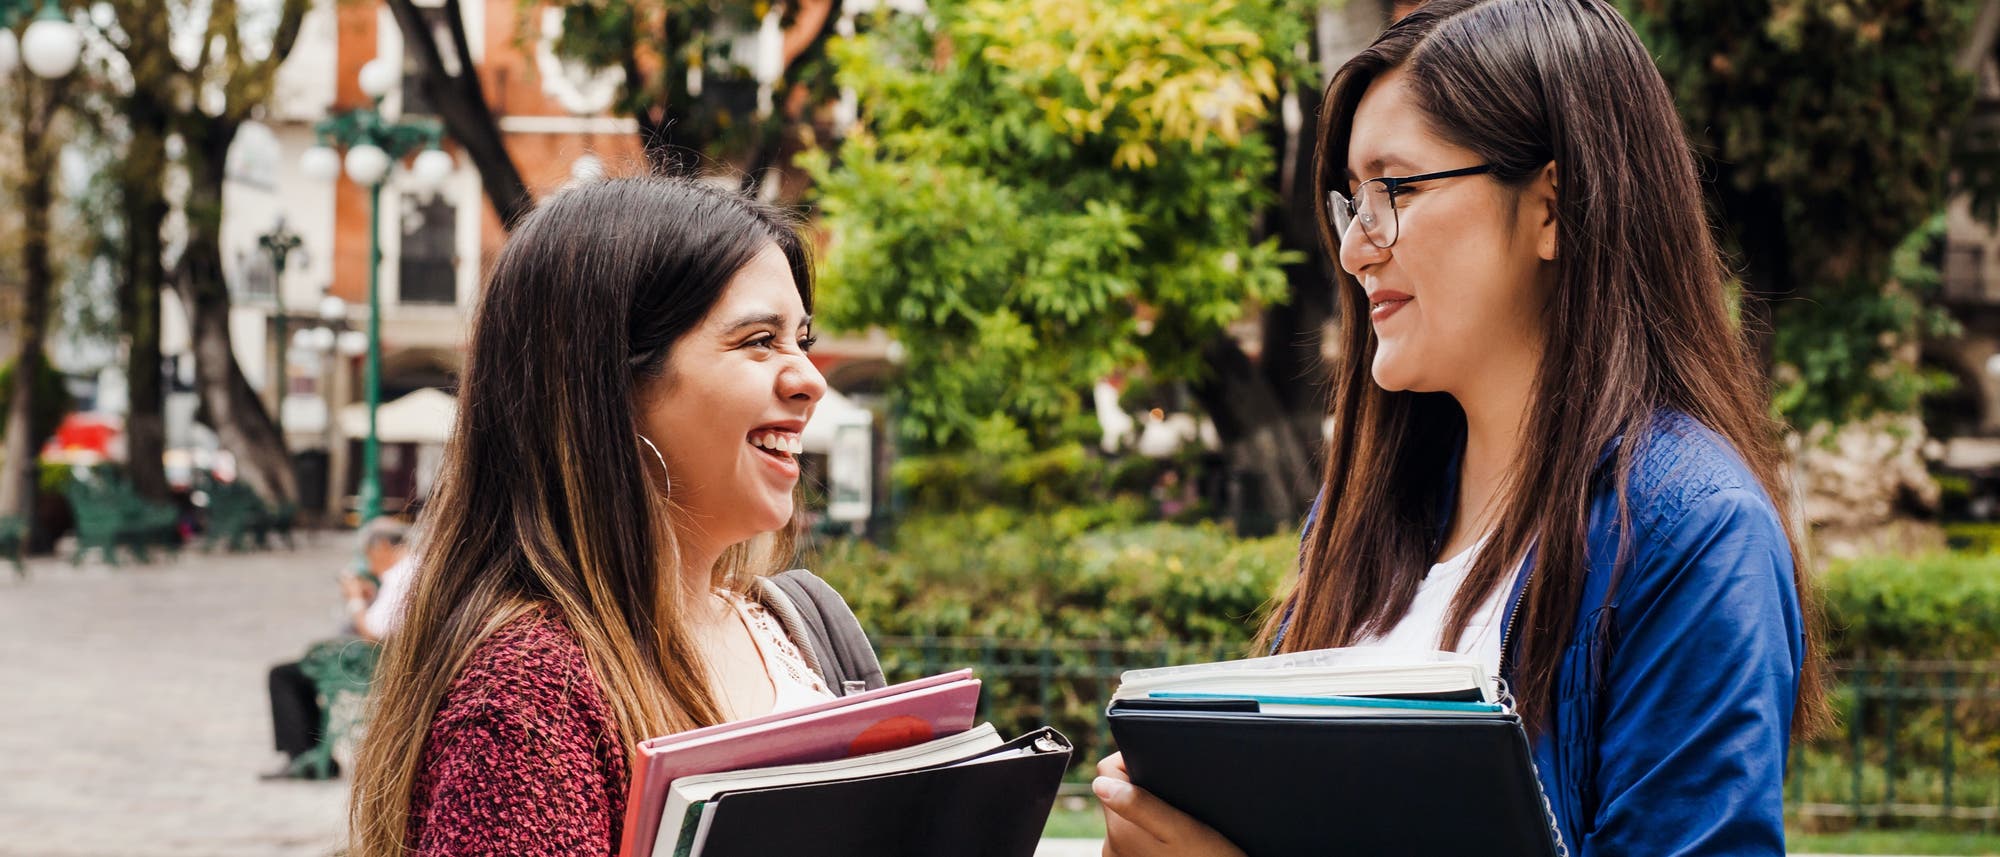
(1971, 536)
(1069, 476)
(1935, 606)
(1078, 573)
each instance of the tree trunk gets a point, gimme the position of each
(145, 209)
(1767, 262)
(461, 102)
(1273, 444)
(1268, 411)
(18, 475)
(229, 404)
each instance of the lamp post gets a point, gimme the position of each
(279, 244)
(374, 144)
(50, 46)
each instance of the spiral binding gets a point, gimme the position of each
(1549, 809)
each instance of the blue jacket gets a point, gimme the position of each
(1674, 702)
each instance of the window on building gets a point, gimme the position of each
(428, 267)
(256, 279)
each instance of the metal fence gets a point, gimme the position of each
(1914, 740)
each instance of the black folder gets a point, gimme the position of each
(1280, 785)
(996, 808)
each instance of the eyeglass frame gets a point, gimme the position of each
(1335, 207)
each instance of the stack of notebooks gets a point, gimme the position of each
(901, 770)
(1338, 752)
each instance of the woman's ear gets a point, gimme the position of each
(1541, 199)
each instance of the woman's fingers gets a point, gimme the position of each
(1138, 824)
(1140, 808)
(1113, 766)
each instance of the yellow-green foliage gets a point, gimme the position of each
(1140, 71)
(1041, 193)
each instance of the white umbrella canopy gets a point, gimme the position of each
(425, 416)
(831, 411)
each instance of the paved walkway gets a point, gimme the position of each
(134, 715)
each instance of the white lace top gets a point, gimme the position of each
(795, 683)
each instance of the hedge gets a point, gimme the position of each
(1099, 573)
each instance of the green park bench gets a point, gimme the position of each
(341, 671)
(110, 515)
(14, 541)
(237, 515)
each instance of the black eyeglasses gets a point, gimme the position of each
(1374, 205)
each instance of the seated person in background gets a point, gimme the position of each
(372, 613)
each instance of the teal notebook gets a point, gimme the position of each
(1384, 703)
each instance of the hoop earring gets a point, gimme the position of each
(656, 454)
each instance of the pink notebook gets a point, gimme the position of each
(889, 718)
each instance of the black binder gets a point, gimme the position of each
(995, 808)
(1279, 785)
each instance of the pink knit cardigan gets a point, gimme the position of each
(523, 757)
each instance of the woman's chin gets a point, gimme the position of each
(774, 517)
(1392, 373)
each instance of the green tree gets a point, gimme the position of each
(1043, 193)
(1827, 126)
(40, 124)
(196, 70)
(686, 81)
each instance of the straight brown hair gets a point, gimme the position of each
(1639, 322)
(546, 499)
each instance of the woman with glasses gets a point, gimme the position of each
(1552, 449)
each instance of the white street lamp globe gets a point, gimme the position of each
(302, 339)
(322, 340)
(332, 308)
(378, 77)
(353, 343)
(767, 62)
(367, 164)
(10, 51)
(431, 168)
(586, 168)
(320, 163)
(51, 47)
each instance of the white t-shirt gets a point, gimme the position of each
(386, 611)
(1421, 630)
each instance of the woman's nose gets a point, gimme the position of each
(1357, 253)
(801, 380)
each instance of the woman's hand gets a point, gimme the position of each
(354, 588)
(1137, 824)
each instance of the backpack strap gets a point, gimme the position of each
(816, 617)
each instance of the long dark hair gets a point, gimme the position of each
(1639, 321)
(545, 499)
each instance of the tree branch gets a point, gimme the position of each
(1985, 29)
(461, 103)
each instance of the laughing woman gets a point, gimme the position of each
(1551, 449)
(596, 569)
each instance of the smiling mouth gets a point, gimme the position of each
(780, 445)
